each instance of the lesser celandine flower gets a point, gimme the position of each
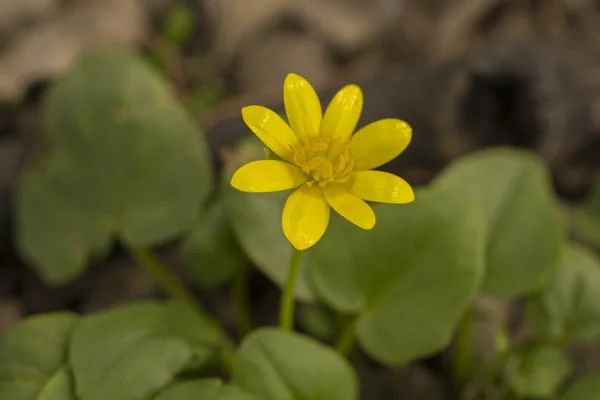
(323, 161)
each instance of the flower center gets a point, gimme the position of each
(324, 159)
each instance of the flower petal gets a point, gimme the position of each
(349, 206)
(379, 142)
(305, 216)
(380, 186)
(343, 113)
(271, 129)
(267, 176)
(302, 106)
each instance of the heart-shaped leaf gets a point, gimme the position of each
(536, 370)
(33, 359)
(210, 252)
(410, 278)
(131, 352)
(125, 160)
(526, 229)
(585, 388)
(204, 389)
(256, 222)
(275, 365)
(569, 307)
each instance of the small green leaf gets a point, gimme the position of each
(205, 389)
(33, 359)
(256, 222)
(131, 352)
(526, 229)
(210, 253)
(178, 24)
(569, 306)
(585, 388)
(536, 370)
(126, 161)
(275, 365)
(585, 219)
(410, 278)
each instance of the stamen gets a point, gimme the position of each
(341, 163)
(323, 159)
(320, 146)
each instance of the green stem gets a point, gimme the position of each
(503, 349)
(176, 290)
(161, 275)
(239, 293)
(347, 339)
(461, 354)
(227, 352)
(286, 310)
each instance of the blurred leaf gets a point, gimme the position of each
(210, 252)
(585, 388)
(33, 359)
(205, 389)
(569, 307)
(525, 225)
(131, 352)
(256, 222)
(536, 370)
(585, 219)
(316, 321)
(179, 24)
(127, 161)
(275, 365)
(156, 60)
(410, 278)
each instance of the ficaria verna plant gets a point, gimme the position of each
(373, 284)
(325, 164)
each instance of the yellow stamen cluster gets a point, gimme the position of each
(324, 159)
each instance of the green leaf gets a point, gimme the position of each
(205, 389)
(569, 306)
(126, 161)
(131, 352)
(525, 225)
(410, 278)
(536, 370)
(210, 253)
(585, 219)
(179, 24)
(275, 365)
(33, 359)
(317, 321)
(585, 388)
(256, 222)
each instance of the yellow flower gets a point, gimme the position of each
(323, 161)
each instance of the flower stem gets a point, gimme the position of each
(239, 293)
(286, 309)
(461, 354)
(347, 339)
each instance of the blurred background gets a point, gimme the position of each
(466, 74)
